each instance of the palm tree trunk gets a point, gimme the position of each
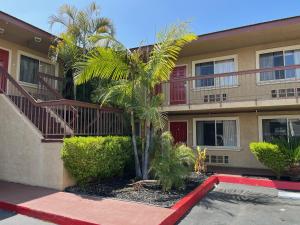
(146, 157)
(138, 172)
(69, 87)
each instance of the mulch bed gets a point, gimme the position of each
(120, 188)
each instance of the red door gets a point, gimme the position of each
(4, 64)
(177, 88)
(179, 131)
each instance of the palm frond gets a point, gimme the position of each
(83, 24)
(65, 49)
(102, 63)
(68, 10)
(150, 110)
(93, 8)
(116, 93)
(164, 54)
(54, 19)
(104, 25)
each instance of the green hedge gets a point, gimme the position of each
(88, 158)
(270, 155)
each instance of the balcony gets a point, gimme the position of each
(252, 89)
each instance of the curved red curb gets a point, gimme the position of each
(187, 202)
(58, 219)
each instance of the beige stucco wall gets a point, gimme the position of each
(246, 56)
(14, 51)
(23, 157)
(249, 132)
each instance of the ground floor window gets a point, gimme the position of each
(283, 127)
(216, 132)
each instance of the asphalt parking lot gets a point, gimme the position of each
(233, 204)
(10, 218)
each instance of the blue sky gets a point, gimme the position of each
(139, 20)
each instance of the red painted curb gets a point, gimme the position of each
(284, 185)
(187, 202)
(62, 220)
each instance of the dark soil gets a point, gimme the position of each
(120, 188)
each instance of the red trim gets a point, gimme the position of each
(285, 185)
(196, 194)
(178, 89)
(178, 130)
(187, 202)
(54, 218)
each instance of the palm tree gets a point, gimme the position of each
(84, 25)
(84, 30)
(64, 49)
(139, 78)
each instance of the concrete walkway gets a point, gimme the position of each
(102, 211)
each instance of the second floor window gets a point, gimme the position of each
(215, 67)
(277, 59)
(30, 67)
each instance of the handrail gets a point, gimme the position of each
(236, 73)
(53, 102)
(53, 91)
(51, 76)
(255, 85)
(76, 103)
(18, 86)
(62, 117)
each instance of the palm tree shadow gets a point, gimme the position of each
(233, 196)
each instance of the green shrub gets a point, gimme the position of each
(290, 148)
(88, 158)
(270, 155)
(172, 164)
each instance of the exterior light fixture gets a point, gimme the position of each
(37, 39)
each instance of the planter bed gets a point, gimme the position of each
(120, 188)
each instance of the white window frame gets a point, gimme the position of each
(215, 59)
(270, 50)
(40, 59)
(225, 148)
(261, 118)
